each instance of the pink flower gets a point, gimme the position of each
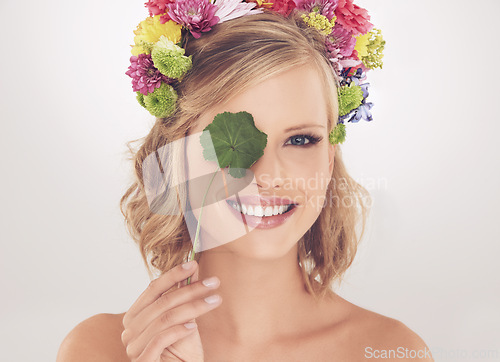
(196, 15)
(353, 18)
(145, 77)
(340, 48)
(322, 7)
(283, 7)
(352, 61)
(157, 7)
(341, 39)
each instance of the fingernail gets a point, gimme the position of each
(190, 325)
(212, 299)
(188, 265)
(211, 282)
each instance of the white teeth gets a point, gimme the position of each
(258, 210)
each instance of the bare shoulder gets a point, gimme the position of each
(97, 338)
(379, 336)
(390, 338)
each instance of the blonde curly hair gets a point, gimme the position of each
(232, 57)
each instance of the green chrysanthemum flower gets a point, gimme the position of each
(161, 103)
(319, 22)
(337, 135)
(350, 97)
(140, 99)
(169, 58)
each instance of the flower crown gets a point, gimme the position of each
(352, 44)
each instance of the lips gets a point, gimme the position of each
(262, 222)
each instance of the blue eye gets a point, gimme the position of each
(299, 140)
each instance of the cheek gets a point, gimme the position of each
(196, 165)
(199, 174)
(310, 177)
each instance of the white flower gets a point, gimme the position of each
(232, 9)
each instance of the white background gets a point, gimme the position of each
(430, 258)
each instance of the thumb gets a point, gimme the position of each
(195, 276)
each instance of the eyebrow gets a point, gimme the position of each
(302, 126)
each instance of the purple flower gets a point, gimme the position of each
(196, 15)
(322, 7)
(145, 77)
(352, 74)
(363, 111)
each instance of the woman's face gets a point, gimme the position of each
(296, 166)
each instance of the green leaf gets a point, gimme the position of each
(237, 143)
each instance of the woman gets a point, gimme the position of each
(263, 294)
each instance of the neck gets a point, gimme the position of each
(261, 299)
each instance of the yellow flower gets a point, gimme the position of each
(362, 45)
(319, 22)
(370, 48)
(149, 31)
(262, 4)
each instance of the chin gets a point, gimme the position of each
(263, 245)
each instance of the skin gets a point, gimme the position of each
(266, 314)
(259, 270)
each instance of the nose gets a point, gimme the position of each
(268, 171)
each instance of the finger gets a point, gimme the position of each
(168, 301)
(184, 282)
(193, 279)
(195, 276)
(166, 338)
(157, 287)
(176, 316)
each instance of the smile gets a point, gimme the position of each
(261, 217)
(258, 210)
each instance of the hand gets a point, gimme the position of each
(154, 324)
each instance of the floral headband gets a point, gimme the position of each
(352, 44)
